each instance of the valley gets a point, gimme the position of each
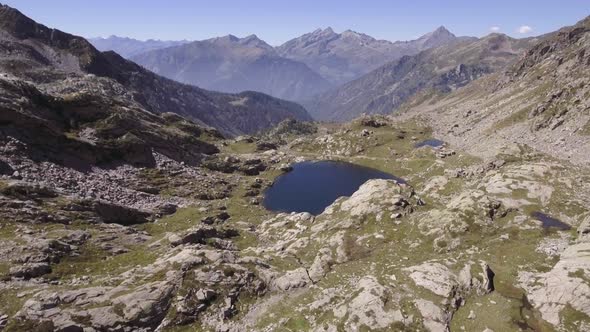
(446, 189)
(391, 247)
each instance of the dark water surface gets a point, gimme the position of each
(550, 222)
(313, 186)
(430, 142)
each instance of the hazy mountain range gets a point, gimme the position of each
(128, 47)
(297, 70)
(233, 64)
(336, 76)
(342, 57)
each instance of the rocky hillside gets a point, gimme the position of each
(128, 47)
(342, 57)
(194, 249)
(541, 101)
(232, 64)
(437, 70)
(45, 56)
(117, 219)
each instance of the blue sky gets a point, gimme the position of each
(277, 21)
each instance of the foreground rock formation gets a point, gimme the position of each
(177, 245)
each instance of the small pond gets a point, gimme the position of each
(435, 143)
(313, 186)
(550, 222)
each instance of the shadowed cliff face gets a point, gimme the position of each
(44, 55)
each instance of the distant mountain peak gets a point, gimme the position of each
(440, 32)
(252, 39)
(353, 34)
(342, 57)
(229, 37)
(322, 32)
(441, 29)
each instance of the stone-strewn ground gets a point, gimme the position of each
(178, 247)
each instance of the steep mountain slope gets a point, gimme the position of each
(128, 47)
(232, 64)
(342, 57)
(37, 53)
(438, 70)
(542, 100)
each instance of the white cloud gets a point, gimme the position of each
(495, 29)
(524, 29)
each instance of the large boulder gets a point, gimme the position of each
(118, 214)
(30, 270)
(293, 279)
(435, 277)
(376, 196)
(200, 234)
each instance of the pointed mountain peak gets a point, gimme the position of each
(323, 32)
(440, 32)
(224, 39)
(442, 29)
(436, 38)
(251, 38)
(353, 34)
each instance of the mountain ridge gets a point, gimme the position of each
(440, 69)
(342, 57)
(43, 55)
(233, 64)
(128, 47)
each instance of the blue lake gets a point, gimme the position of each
(550, 222)
(313, 186)
(430, 142)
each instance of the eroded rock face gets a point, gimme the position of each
(293, 279)
(435, 277)
(435, 319)
(565, 285)
(367, 308)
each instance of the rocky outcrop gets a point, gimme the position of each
(122, 215)
(566, 284)
(141, 309)
(367, 307)
(376, 196)
(292, 279)
(200, 235)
